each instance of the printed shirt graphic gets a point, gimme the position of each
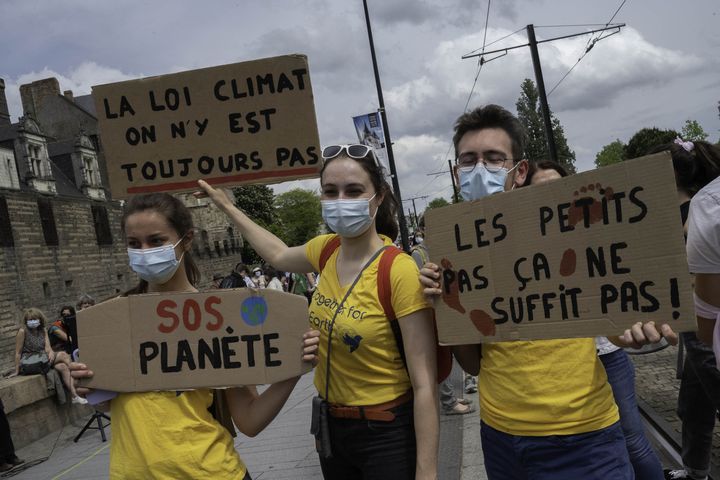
(169, 435)
(365, 365)
(545, 387)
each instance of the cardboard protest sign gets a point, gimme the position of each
(587, 255)
(174, 341)
(250, 122)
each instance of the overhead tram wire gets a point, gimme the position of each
(570, 25)
(589, 45)
(481, 62)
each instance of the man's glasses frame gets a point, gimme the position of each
(492, 160)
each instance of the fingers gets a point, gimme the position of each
(82, 391)
(311, 341)
(669, 334)
(651, 333)
(430, 280)
(644, 333)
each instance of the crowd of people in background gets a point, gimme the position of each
(266, 276)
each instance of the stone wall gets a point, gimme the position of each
(33, 274)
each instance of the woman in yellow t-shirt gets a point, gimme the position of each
(172, 435)
(383, 415)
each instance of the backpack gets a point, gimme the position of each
(234, 280)
(443, 353)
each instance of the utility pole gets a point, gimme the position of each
(386, 130)
(415, 209)
(533, 43)
(452, 177)
(549, 137)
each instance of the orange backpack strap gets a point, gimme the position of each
(444, 354)
(328, 250)
(383, 281)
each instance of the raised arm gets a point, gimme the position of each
(268, 246)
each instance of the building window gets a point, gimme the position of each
(47, 219)
(91, 174)
(102, 225)
(6, 236)
(36, 162)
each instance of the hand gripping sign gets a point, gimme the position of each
(249, 122)
(586, 255)
(176, 341)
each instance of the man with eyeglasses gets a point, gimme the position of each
(546, 407)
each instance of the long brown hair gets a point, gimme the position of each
(177, 215)
(386, 217)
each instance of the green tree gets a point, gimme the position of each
(647, 138)
(613, 152)
(530, 115)
(300, 215)
(693, 131)
(257, 202)
(437, 203)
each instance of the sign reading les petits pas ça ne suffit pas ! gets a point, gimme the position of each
(250, 122)
(174, 341)
(587, 255)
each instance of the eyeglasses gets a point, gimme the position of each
(356, 151)
(492, 160)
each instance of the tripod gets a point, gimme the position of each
(97, 416)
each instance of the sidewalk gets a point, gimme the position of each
(284, 450)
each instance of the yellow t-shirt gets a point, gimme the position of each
(546, 387)
(170, 435)
(365, 364)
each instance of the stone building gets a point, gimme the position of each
(59, 227)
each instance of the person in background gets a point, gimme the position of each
(618, 367)
(8, 459)
(216, 280)
(696, 164)
(238, 278)
(59, 331)
(271, 279)
(168, 434)
(449, 403)
(85, 301)
(32, 339)
(258, 277)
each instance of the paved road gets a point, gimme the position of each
(284, 450)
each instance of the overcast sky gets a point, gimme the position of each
(662, 69)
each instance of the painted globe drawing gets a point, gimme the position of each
(253, 311)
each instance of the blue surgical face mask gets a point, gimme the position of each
(480, 183)
(348, 218)
(33, 323)
(155, 265)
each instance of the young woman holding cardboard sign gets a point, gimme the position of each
(377, 414)
(172, 434)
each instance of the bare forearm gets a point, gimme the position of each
(426, 432)
(253, 414)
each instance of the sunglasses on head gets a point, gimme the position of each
(356, 151)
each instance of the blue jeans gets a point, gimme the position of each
(621, 376)
(372, 450)
(698, 403)
(597, 455)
